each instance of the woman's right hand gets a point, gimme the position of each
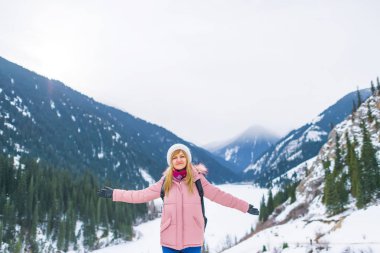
(105, 192)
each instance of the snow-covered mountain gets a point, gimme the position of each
(246, 148)
(308, 225)
(47, 120)
(303, 143)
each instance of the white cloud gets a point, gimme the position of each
(205, 70)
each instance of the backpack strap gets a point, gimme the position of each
(162, 193)
(198, 184)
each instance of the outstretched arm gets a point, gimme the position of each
(223, 198)
(138, 196)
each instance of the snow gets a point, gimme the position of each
(314, 136)
(10, 126)
(52, 105)
(295, 155)
(237, 224)
(219, 227)
(12, 81)
(292, 146)
(279, 146)
(116, 137)
(147, 177)
(20, 149)
(360, 227)
(17, 103)
(358, 231)
(73, 118)
(230, 152)
(117, 165)
(16, 161)
(298, 170)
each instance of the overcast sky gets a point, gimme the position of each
(205, 70)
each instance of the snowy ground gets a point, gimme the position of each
(358, 232)
(224, 224)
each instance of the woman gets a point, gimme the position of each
(182, 222)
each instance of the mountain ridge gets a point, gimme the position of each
(246, 147)
(47, 120)
(302, 143)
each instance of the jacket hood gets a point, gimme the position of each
(200, 169)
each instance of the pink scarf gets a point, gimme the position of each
(179, 174)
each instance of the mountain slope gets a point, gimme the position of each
(246, 148)
(301, 144)
(46, 120)
(310, 224)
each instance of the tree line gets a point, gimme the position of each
(267, 207)
(358, 175)
(354, 172)
(64, 208)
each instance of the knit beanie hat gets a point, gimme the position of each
(176, 147)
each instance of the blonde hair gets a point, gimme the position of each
(189, 179)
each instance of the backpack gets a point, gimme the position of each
(198, 184)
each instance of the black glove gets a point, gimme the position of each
(105, 192)
(252, 210)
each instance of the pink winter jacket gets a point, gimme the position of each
(182, 223)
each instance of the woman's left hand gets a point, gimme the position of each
(252, 210)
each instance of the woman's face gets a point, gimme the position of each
(179, 161)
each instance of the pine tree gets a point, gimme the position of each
(263, 216)
(370, 167)
(10, 221)
(29, 203)
(328, 188)
(89, 228)
(378, 86)
(352, 162)
(293, 193)
(361, 198)
(70, 226)
(359, 97)
(354, 108)
(270, 204)
(33, 229)
(1, 232)
(17, 247)
(61, 235)
(342, 194)
(373, 90)
(338, 165)
(369, 113)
